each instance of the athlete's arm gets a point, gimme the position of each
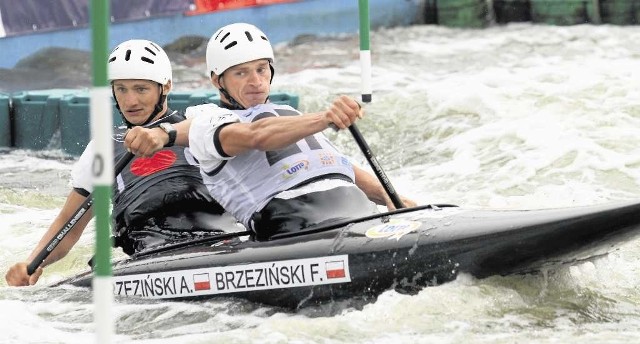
(17, 274)
(235, 138)
(275, 133)
(374, 190)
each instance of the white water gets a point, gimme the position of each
(520, 116)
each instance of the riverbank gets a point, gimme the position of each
(56, 67)
(282, 22)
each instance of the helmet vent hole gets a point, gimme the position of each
(248, 36)
(112, 59)
(230, 45)
(264, 38)
(151, 51)
(225, 37)
(127, 56)
(146, 59)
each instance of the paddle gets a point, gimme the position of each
(365, 61)
(84, 207)
(377, 169)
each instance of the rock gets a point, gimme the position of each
(57, 59)
(186, 44)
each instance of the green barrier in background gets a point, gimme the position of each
(59, 119)
(180, 101)
(285, 99)
(36, 118)
(508, 11)
(462, 13)
(563, 12)
(75, 131)
(620, 12)
(5, 123)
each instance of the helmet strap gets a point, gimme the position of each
(232, 104)
(273, 72)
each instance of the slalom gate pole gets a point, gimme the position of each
(365, 50)
(102, 169)
(365, 62)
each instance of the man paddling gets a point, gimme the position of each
(267, 164)
(157, 200)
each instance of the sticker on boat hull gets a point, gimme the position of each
(394, 229)
(236, 278)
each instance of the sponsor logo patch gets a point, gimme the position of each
(290, 171)
(236, 278)
(394, 229)
(327, 159)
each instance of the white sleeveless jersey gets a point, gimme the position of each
(244, 184)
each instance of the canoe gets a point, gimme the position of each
(405, 250)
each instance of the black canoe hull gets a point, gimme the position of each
(405, 250)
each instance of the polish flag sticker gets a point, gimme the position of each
(201, 282)
(335, 269)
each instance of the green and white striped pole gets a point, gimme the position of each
(101, 124)
(365, 52)
(365, 61)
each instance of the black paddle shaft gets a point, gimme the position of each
(377, 169)
(84, 207)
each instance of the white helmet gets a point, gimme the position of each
(139, 59)
(235, 44)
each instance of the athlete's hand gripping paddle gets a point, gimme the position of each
(84, 207)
